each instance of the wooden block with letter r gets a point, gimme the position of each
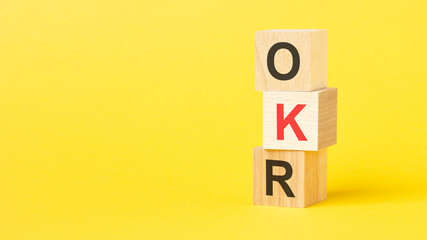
(289, 178)
(300, 120)
(291, 60)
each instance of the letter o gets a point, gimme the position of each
(295, 63)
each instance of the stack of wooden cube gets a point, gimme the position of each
(299, 117)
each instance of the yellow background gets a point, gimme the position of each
(137, 119)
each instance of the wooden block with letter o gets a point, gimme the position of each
(289, 178)
(291, 60)
(300, 120)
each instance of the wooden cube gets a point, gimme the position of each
(289, 178)
(291, 60)
(300, 120)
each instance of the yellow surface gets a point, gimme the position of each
(136, 120)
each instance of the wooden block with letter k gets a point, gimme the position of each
(289, 178)
(300, 120)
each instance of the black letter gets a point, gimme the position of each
(295, 62)
(279, 179)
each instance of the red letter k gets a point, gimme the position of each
(290, 119)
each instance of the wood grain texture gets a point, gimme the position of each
(312, 47)
(317, 120)
(327, 115)
(308, 181)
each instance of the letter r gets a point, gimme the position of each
(269, 164)
(290, 119)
